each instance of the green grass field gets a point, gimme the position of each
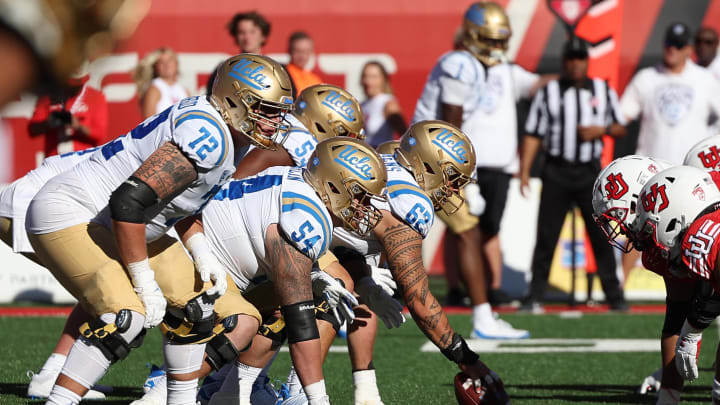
(408, 376)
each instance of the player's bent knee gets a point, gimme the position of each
(224, 348)
(115, 335)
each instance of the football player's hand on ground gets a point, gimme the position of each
(687, 350)
(480, 373)
(651, 383)
(380, 302)
(340, 300)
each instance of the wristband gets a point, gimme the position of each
(197, 245)
(140, 273)
(459, 352)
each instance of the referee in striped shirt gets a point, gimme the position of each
(568, 118)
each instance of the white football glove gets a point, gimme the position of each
(380, 302)
(206, 264)
(383, 278)
(687, 350)
(651, 383)
(474, 200)
(148, 290)
(340, 300)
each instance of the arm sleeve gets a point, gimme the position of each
(537, 120)
(699, 247)
(523, 82)
(631, 101)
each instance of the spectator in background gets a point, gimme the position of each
(74, 120)
(674, 100)
(571, 136)
(250, 31)
(380, 108)
(156, 77)
(301, 48)
(706, 44)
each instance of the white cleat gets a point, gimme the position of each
(498, 329)
(156, 396)
(41, 384)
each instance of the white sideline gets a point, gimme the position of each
(555, 346)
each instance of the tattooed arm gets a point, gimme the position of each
(290, 274)
(167, 172)
(403, 247)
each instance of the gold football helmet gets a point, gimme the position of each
(388, 147)
(327, 110)
(251, 92)
(442, 159)
(348, 174)
(486, 31)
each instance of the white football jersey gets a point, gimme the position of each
(488, 97)
(297, 141)
(193, 125)
(15, 199)
(237, 218)
(406, 200)
(674, 107)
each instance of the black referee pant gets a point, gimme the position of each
(564, 184)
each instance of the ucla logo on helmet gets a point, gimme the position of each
(251, 74)
(450, 143)
(476, 15)
(355, 161)
(340, 105)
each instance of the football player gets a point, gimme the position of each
(111, 212)
(476, 89)
(676, 210)
(297, 210)
(433, 163)
(14, 201)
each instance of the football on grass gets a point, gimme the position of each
(466, 395)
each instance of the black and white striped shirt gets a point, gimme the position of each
(557, 111)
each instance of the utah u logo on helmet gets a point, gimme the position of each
(656, 194)
(616, 186)
(711, 158)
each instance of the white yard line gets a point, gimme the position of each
(557, 346)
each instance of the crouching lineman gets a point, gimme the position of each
(14, 201)
(111, 212)
(435, 159)
(678, 218)
(293, 229)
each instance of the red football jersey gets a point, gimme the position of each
(700, 246)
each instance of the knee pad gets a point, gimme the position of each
(704, 307)
(221, 351)
(108, 337)
(191, 326)
(273, 328)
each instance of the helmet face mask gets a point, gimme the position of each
(614, 197)
(442, 160)
(253, 95)
(327, 110)
(348, 175)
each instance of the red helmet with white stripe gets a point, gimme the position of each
(669, 203)
(615, 192)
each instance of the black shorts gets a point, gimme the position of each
(494, 189)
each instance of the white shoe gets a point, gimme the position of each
(498, 329)
(156, 396)
(41, 384)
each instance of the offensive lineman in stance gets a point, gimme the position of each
(116, 207)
